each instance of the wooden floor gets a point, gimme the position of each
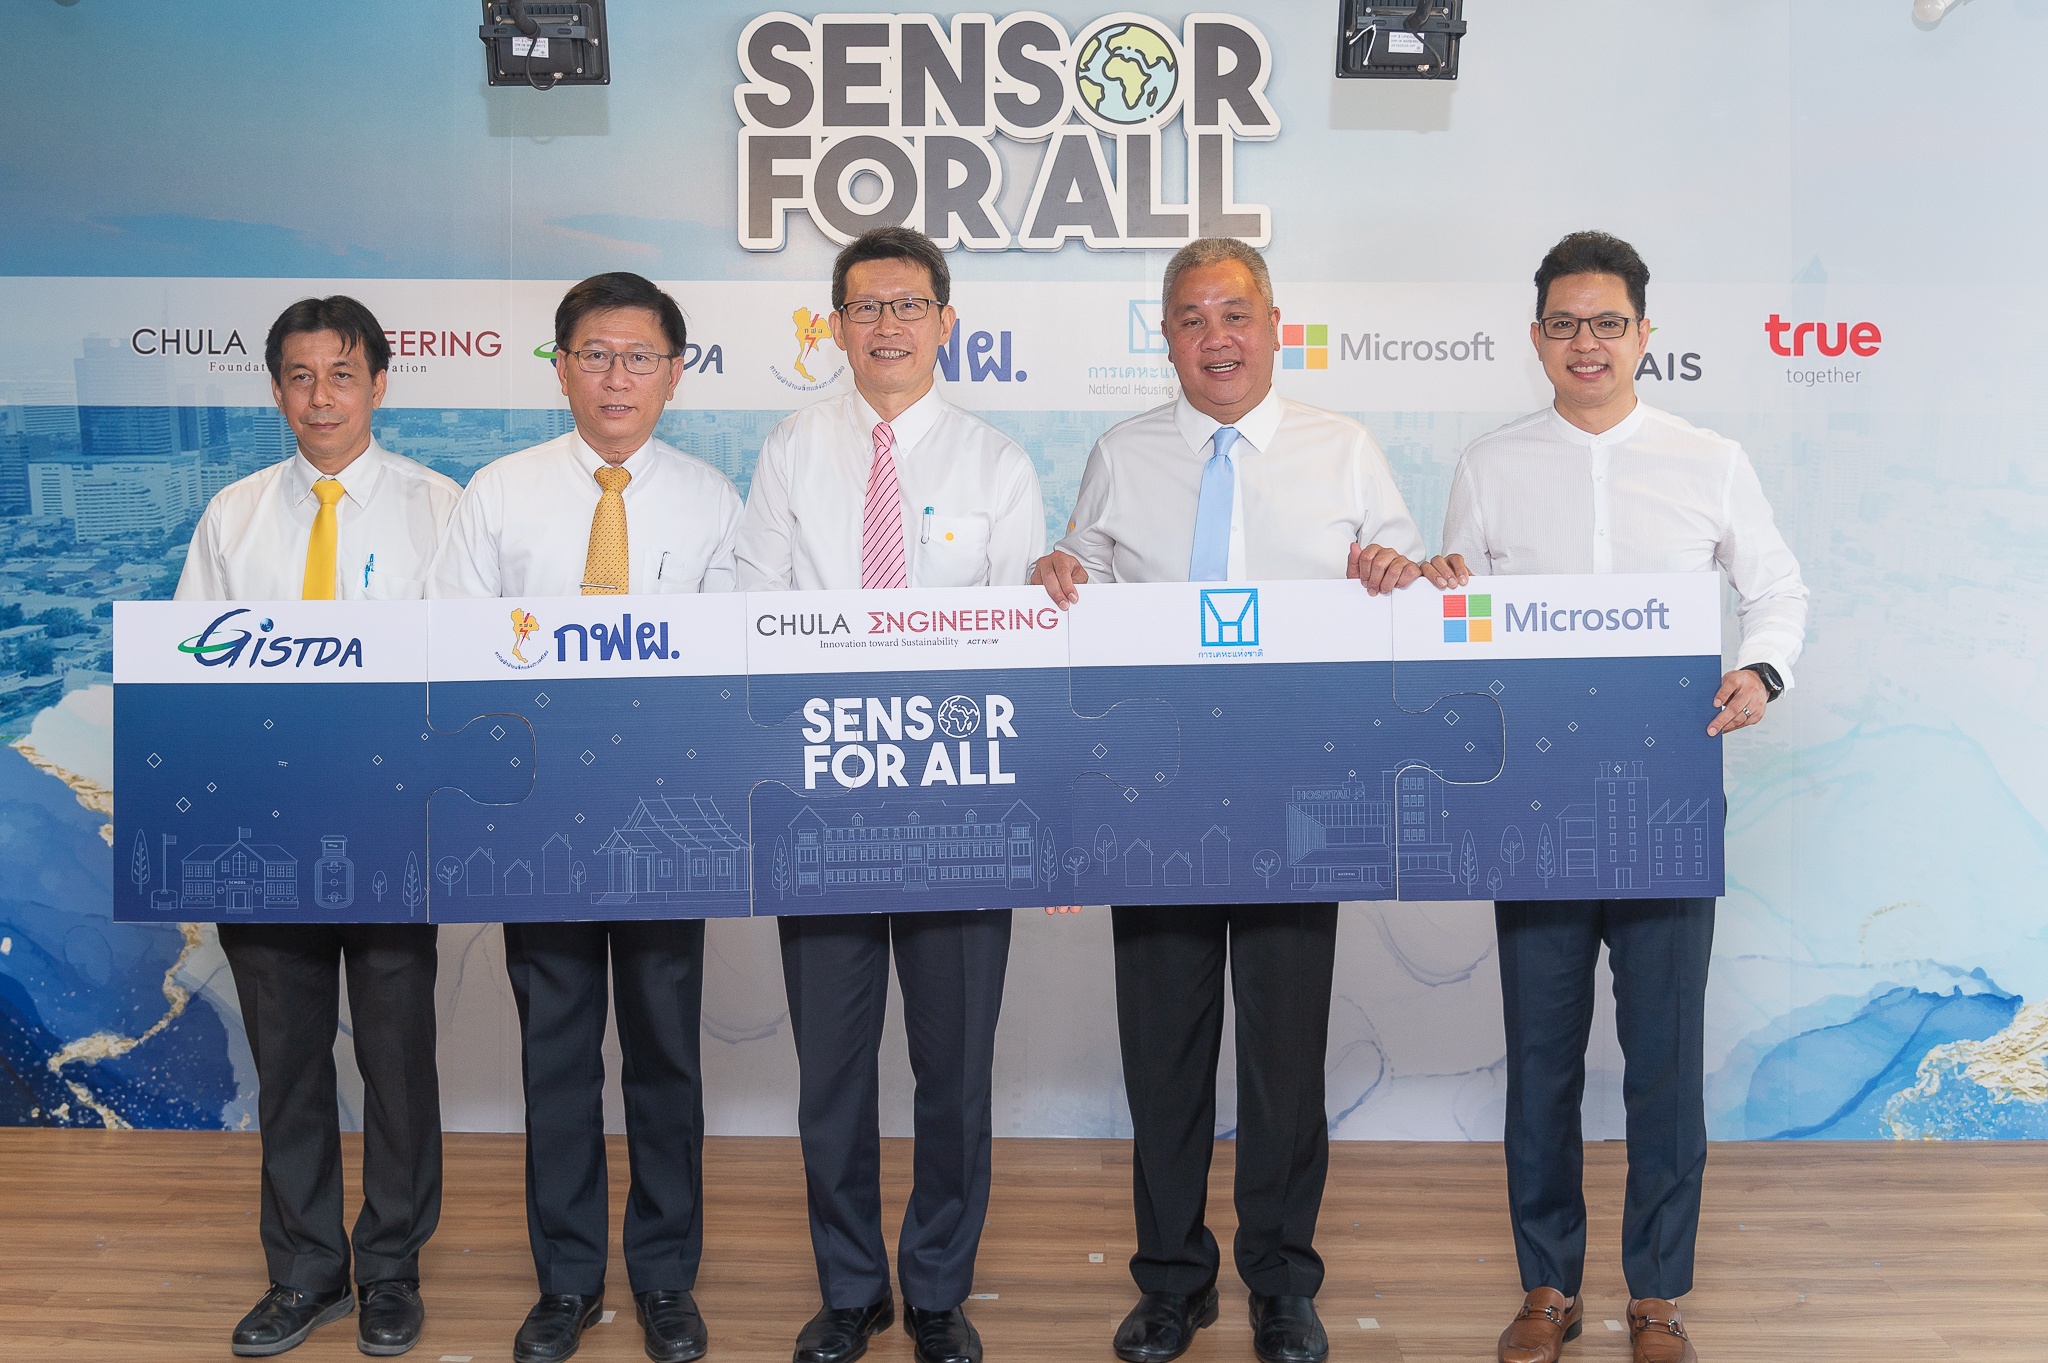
(142, 1246)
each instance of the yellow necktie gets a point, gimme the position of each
(320, 549)
(604, 566)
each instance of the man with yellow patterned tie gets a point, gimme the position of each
(602, 510)
(345, 518)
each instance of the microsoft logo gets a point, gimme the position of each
(1468, 619)
(1304, 346)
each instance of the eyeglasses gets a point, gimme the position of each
(866, 310)
(600, 361)
(1607, 326)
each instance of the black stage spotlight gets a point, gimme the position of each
(545, 43)
(1413, 41)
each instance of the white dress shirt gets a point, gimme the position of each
(1654, 494)
(1309, 485)
(972, 514)
(523, 525)
(251, 541)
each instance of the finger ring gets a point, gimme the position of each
(1745, 712)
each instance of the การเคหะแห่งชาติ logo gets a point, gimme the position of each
(1468, 618)
(1230, 617)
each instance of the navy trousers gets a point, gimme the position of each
(1169, 1008)
(287, 976)
(558, 981)
(1659, 949)
(951, 967)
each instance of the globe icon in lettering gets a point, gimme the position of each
(1126, 74)
(959, 717)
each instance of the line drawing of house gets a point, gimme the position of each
(912, 848)
(480, 874)
(1216, 855)
(667, 848)
(1138, 863)
(238, 877)
(1178, 869)
(519, 877)
(556, 859)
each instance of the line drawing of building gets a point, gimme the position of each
(1178, 869)
(667, 848)
(480, 875)
(1138, 863)
(1344, 834)
(238, 877)
(912, 848)
(1216, 855)
(556, 861)
(1678, 843)
(519, 877)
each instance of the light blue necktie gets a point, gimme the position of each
(1211, 560)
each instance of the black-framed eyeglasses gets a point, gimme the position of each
(1608, 326)
(600, 361)
(866, 310)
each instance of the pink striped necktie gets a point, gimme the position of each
(881, 542)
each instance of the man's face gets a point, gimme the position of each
(1586, 371)
(891, 359)
(326, 391)
(616, 410)
(1222, 336)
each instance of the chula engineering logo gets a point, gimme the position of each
(1468, 618)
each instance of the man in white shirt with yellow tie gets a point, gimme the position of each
(343, 518)
(604, 510)
(1231, 482)
(890, 485)
(1598, 482)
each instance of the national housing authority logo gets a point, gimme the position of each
(1230, 617)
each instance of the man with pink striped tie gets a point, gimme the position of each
(890, 485)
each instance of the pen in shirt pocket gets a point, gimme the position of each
(369, 566)
(924, 534)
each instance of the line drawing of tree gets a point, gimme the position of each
(378, 885)
(1105, 846)
(448, 872)
(781, 871)
(138, 865)
(1049, 861)
(1266, 865)
(1512, 849)
(1076, 862)
(1546, 860)
(1468, 862)
(412, 893)
(579, 876)
(1493, 882)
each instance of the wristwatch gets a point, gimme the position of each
(1774, 685)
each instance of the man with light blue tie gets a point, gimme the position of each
(1231, 482)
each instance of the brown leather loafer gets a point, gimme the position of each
(1538, 1333)
(1657, 1334)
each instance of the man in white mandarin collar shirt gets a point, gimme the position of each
(1231, 482)
(890, 485)
(341, 519)
(604, 510)
(1600, 483)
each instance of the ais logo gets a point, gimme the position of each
(1468, 619)
(1304, 346)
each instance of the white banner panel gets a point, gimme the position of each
(194, 642)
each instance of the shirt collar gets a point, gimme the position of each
(358, 481)
(639, 463)
(911, 424)
(1613, 435)
(1255, 428)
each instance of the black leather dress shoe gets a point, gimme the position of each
(1286, 1330)
(391, 1319)
(840, 1336)
(555, 1326)
(1163, 1324)
(675, 1332)
(942, 1336)
(284, 1318)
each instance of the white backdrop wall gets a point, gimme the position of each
(171, 178)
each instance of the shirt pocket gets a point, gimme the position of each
(390, 587)
(952, 551)
(677, 571)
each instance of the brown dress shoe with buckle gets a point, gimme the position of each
(1547, 1321)
(1657, 1334)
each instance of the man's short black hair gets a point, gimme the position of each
(1595, 253)
(343, 316)
(893, 243)
(619, 289)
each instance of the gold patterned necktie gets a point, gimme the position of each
(605, 565)
(320, 549)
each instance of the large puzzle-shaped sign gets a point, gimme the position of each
(700, 756)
